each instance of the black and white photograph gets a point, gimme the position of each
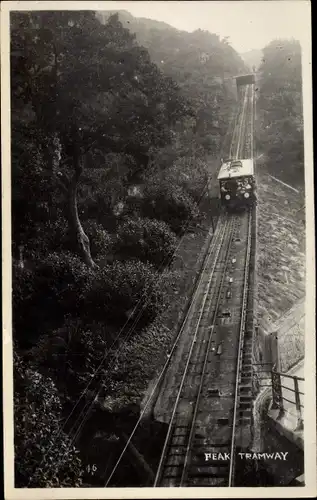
(158, 249)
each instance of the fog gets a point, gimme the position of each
(248, 24)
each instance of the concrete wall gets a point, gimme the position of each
(288, 337)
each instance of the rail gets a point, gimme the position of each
(243, 122)
(177, 466)
(240, 351)
(171, 424)
(193, 423)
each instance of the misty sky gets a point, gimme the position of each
(249, 24)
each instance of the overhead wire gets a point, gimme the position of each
(139, 315)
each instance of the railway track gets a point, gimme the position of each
(213, 389)
(212, 409)
(246, 150)
(238, 137)
(242, 138)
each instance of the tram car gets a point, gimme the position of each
(245, 79)
(237, 184)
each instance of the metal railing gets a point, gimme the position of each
(288, 396)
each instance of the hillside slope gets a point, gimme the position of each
(280, 127)
(252, 58)
(200, 63)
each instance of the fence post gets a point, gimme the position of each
(277, 403)
(300, 425)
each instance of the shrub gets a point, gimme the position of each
(171, 204)
(49, 235)
(210, 143)
(70, 355)
(22, 286)
(23, 302)
(114, 291)
(100, 239)
(149, 240)
(61, 276)
(135, 364)
(44, 455)
(191, 174)
(43, 296)
(56, 235)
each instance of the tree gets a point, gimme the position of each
(89, 87)
(280, 131)
(199, 62)
(147, 240)
(122, 290)
(45, 294)
(185, 171)
(71, 355)
(171, 204)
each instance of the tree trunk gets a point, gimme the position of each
(78, 234)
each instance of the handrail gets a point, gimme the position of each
(289, 376)
(279, 398)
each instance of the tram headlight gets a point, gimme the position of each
(227, 197)
(246, 195)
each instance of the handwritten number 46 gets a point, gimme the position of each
(91, 469)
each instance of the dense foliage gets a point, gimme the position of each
(110, 151)
(280, 124)
(148, 240)
(171, 204)
(44, 454)
(114, 291)
(70, 355)
(201, 63)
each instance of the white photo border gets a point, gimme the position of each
(310, 360)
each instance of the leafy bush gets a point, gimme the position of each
(171, 204)
(135, 364)
(114, 291)
(60, 279)
(100, 239)
(24, 312)
(48, 235)
(210, 142)
(23, 286)
(70, 355)
(280, 119)
(51, 236)
(42, 296)
(188, 172)
(44, 455)
(148, 240)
